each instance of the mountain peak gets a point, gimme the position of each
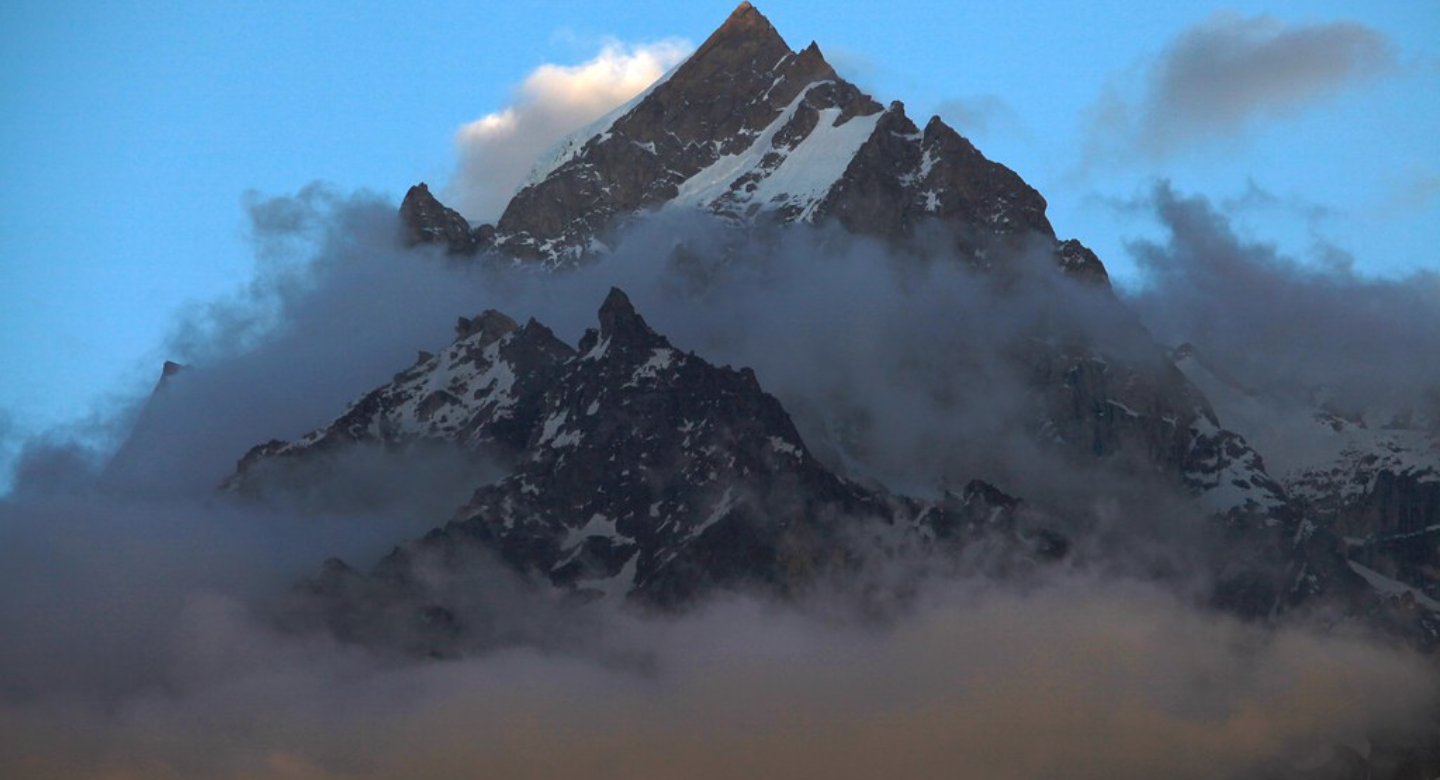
(746, 18)
(490, 324)
(748, 31)
(621, 328)
(750, 131)
(618, 316)
(428, 221)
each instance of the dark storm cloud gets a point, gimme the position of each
(102, 553)
(1273, 321)
(1261, 201)
(1230, 72)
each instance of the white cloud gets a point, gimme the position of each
(498, 149)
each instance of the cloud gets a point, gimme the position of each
(1229, 73)
(1414, 192)
(1273, 321)
(498, 149)
(1077, 679)
(141, 637)
(1255, 198)
(981, 115)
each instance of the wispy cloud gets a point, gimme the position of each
(1412, 192)
(980, 115)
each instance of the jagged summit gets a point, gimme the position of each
(618, 316)
(746, 28)
(746, 16)
(753, 132)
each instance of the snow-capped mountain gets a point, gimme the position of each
(751, 131)
(643, 471)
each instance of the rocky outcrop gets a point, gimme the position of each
(653, 473)
(428, 221)
(902, 177)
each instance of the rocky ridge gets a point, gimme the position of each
(754, 133)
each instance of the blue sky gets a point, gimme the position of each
(131, 131)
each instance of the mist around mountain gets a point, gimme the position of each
(988, 523)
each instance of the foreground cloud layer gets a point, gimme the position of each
(139, 641)
(1080, 680)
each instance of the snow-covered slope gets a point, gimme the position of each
(1370, 480)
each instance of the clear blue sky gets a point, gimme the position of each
(129, 132)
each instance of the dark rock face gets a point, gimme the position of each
(1390, 538)
(901, 177)
(753, 132)
(1144, 421)
(1081, 263)
(717, 103)
(427, 221)
(651, 471)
